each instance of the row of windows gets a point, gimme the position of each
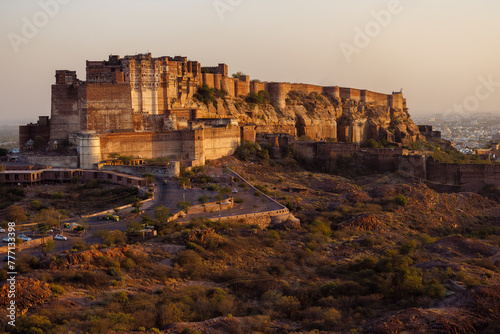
(57, 175)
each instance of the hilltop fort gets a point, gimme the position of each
(149, 107)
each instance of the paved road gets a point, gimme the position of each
(169, 195)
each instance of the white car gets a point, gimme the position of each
(60, 237)
(24, 238)
(2, 230)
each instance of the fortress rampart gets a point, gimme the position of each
(144, 107)
(118, 88)
(445, 176)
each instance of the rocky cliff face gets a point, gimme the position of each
(320, 117)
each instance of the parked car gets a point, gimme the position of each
(6, 239)
(2, 230)
(60, 237)
(7, 258)
(23, 237)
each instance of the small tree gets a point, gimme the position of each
(137, 207)
(401, 200)
(204, 199)
(15, 214)
(238, 75)
(49, 217)
(219, 198)
(162, 214)
(183, 206)
(47, 247)
(146, 219)
(109, 238)
(225, 191)
(134, 226)
(150, 178)
(184, 182)
(125, 159)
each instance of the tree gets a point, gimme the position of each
(49, 218)
(183, 206)
(225, 191)
(401, 200)
(247, 150)
(204, 199)
(47, 247)
(205, 94)
(146, 219)
(109, 238)
(125, 159)
(137, 205)
(219, 198)
(114, 155)
(15, 214)
(238, 75)
(36, 205)
(150, 178)
(162, 214)
(133, 226)
(260, 98)
(184, 182)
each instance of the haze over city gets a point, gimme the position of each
(442, 54)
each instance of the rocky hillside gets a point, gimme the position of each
(372, 254)
(319, 117)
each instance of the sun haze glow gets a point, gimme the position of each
(444, 54)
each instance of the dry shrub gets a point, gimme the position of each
(251, 324)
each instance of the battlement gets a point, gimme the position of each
(159, 84)
(221, 69)
(65, 77)
(428, 131)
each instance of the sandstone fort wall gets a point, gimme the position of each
(219, 142)
(108, 108)
(65, 110)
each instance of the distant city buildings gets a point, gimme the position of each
(467, 133)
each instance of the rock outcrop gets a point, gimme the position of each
(468, 312)
(320, 117)
(29, 292)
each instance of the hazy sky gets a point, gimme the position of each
(442, 53)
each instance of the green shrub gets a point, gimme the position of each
(58, 195)
(57, 289)
(213, 187)
(204, 199)
(401, 200)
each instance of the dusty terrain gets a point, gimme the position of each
(373, 254)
